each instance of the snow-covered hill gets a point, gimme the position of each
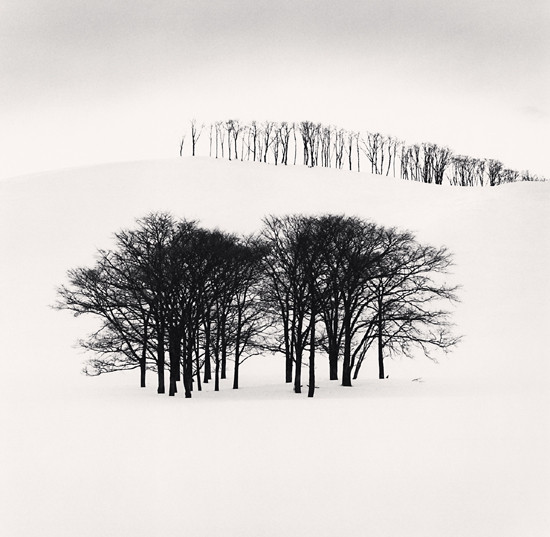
(463, 453)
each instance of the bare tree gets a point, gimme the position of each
(181, 145)
(211, 128)
(310, 133)
(408, 289)
(195, 135)
(285, 130)
(373, 148)
(339, 143)
(254, 134)
(122, 340)
(509, 176)
(495, 169)
(288, 290)
(276, 144)
(350, 138)
(348, 252)
(268, 135)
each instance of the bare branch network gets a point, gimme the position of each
(174, 296)
(314, 144)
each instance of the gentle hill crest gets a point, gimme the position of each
(95, 455)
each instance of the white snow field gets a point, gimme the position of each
(463, 453)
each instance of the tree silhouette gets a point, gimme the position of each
(173, 294)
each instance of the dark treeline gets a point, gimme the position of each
(314, 144)
(180, 300)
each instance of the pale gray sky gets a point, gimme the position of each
(96, 81)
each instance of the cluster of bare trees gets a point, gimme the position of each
(338, 284)
(174, 296)
(329, 146)
(170, 295)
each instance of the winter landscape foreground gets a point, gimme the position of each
(463, 452)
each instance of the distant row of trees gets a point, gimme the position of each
(174, 296)
(314, 144)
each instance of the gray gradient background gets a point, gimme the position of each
(96, 81)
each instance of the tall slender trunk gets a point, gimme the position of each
(174, 352)
(237, 352)
(298, 349)
(311, 387)
(143, 359)
(217, 374)
(333, 350)
(298, 372)
(295, 147)
(188, 370)
(198, 365)
(333, 362)
(236, 371)
(160, 359)
(207, 364)
(223, 373)
(223, 349)
(289, 365)
(142, 369)
(381, 374)
(288, 351)
(346, 368)
(356, 370)
(217, 357)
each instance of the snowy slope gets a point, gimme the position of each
(463, 453)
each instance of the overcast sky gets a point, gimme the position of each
(107, 80)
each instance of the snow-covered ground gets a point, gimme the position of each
(463, 453)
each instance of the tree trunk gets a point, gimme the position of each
(333, 350)
(236, 370)
(223, 373)
(224, 352)
(142, 373)
(346, 368)
(143, 363)
(217, 374)
(311, 387)
(288, 363)
(333, 363)
(237, 352)
(160, 360)
(357, 368)
(298, 373)
(381, 374)
(217, 358)
(207, 364)
(188, 371)
(197, 361)
(295, 147)
(173, 349)
(288, 352)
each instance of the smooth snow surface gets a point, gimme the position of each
(463, 453)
